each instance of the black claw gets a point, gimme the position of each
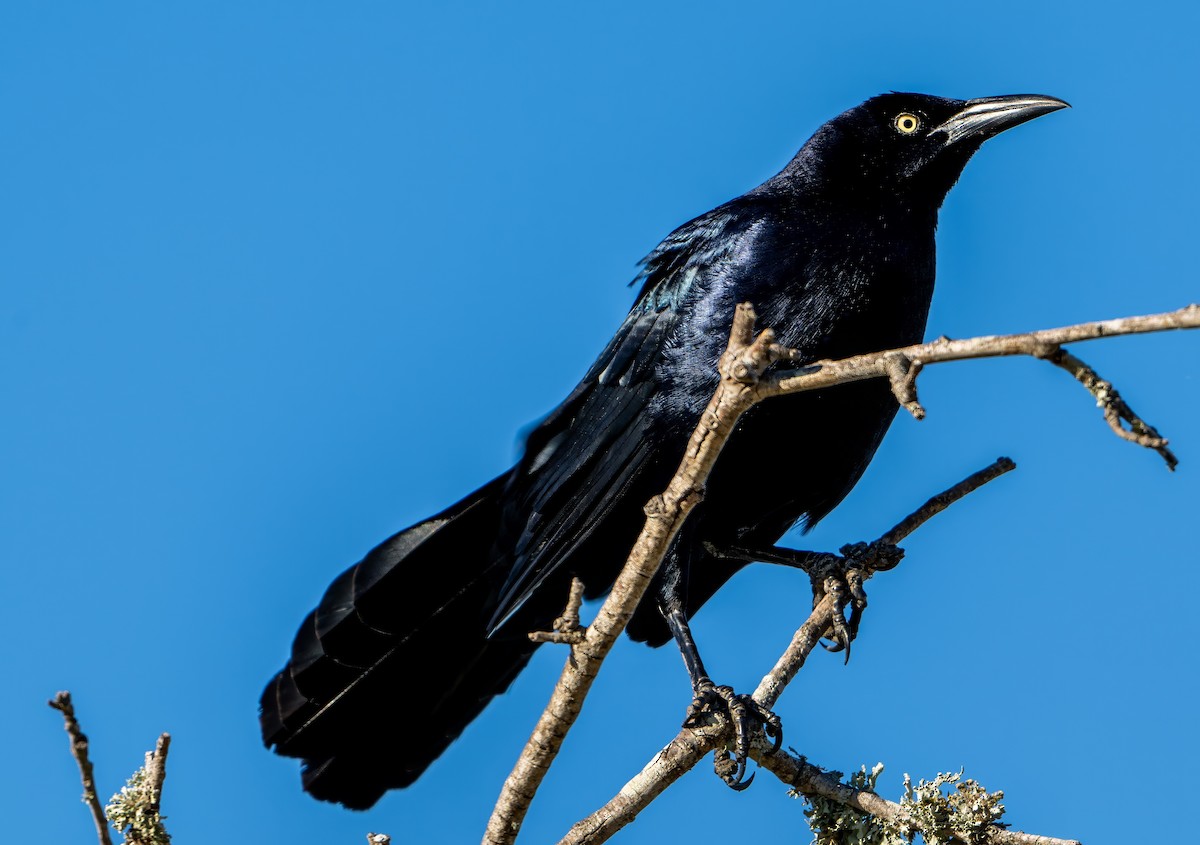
(739, 786)
(853, 618)
(849, 581)
(836, 646)
(836, 587)
(744, 715)
(841, 633)
(731, 770)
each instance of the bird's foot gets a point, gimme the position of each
(841, 577)
(745, 716)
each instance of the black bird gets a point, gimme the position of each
(836, 253)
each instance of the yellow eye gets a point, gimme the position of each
(906, 123)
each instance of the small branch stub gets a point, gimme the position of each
(567, 630)
(156, 770)
(135, 809)
(902, 375)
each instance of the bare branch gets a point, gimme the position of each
(742, 385)
(690, 745)
(79, 750)
(1039, 344)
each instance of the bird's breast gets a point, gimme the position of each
(851, 296)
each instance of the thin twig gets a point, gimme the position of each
(1114, 407)
(937, 504)
(79, 750)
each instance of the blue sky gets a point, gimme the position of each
(282, 278)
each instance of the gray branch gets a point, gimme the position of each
(742, 368)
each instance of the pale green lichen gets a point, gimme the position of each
(834, 823)
(939, 816)
(132, 812)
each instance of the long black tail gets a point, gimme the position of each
(394, 663)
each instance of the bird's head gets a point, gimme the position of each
(910, 146)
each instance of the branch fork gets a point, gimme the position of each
(747, 358)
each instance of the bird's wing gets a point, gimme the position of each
(597, 451)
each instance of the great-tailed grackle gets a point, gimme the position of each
(836, 253)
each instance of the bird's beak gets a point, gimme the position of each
(989, 116)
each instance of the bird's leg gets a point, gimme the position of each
(745, 714)
(840, 576)
(810, 562)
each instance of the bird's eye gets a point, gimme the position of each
(906, 123)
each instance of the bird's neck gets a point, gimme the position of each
(860, 278)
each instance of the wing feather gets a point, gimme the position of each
(604, 448)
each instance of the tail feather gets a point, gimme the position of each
(395, 661)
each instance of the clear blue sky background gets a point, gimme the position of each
(282, 278)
